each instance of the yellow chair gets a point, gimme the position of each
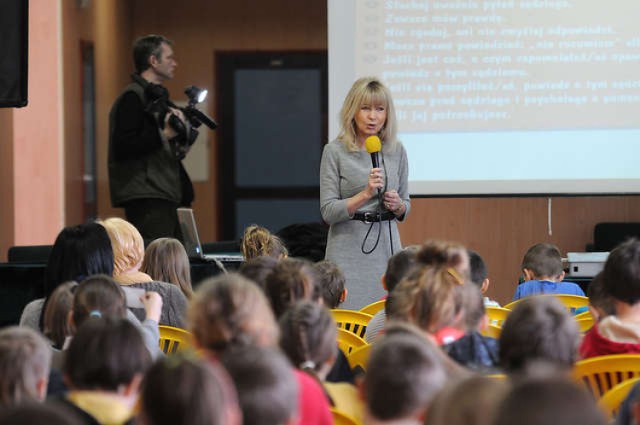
(585, 323)
(611, 400)
(352, 321)
(583, 315)
(572, 302)
(497, 315)
(341, 418)
(492, 331)
(173, 339)
(348, 341)
(602, 373)
(359, 357)
(374, 307)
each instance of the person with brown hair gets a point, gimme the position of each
(166, 260)
(230, 311)
(292, 279)
(363, 204)
(258, 241)
(56, 316)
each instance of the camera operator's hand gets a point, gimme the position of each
(168, 132)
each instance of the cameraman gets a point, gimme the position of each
(146, 175)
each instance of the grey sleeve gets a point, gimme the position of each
(403, 188)
(30, 316)
(150, 334)
(332, 208)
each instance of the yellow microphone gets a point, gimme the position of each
(373, 145)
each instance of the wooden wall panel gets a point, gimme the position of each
(7, 219)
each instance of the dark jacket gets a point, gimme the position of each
(475, 351)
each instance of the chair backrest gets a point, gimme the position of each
(374, 307)
(173, 339)
(572, 302)
(602, 373)
(359, 357)
(348, 341)
(583, 315)
(585, 323)
(352, 321)
(497, 315)
(611, 400)
(492, 331)
(341, 418)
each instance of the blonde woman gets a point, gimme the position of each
(362, 204)
(258, 241)
(128, 253)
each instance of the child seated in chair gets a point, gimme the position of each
(619, 333)
(479, 276)
(543, 273)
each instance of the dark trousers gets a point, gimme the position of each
(154, 218)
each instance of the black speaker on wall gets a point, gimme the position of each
(14, 48)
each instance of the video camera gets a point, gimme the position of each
(186, 132)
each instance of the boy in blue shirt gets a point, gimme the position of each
(543, 273)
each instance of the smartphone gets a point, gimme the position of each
(133, 296)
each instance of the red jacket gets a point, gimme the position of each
(594, 344)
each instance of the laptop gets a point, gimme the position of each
(191, 241)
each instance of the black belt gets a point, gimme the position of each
(370, 217)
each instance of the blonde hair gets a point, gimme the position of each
(367, 90)
(258, 241)
(230, 310)
(433, 295)
(127, 244)
(166, 260)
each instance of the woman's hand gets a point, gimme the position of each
(393, 202)
(375, 182)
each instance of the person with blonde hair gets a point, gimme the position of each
(166, 260)
(362, 204)
(258, 241)
(128, 253)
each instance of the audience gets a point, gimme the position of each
(331, 283)
(103, 367)
(258, 241)
(619, 333)
(257, 269)
(479, 276)
(404, 374)
(548, 401)
(56, 316)
(185, 390)
(37, 413)
(230, 311)
(543, 273)
(25, 360)
(470, 401)
(166, 260)
(601, 304)
(539, 330)
(308, 337)
(267, 387)
(399, 266)
(128, 253)
(291, 280)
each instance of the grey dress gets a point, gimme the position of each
(342, 175)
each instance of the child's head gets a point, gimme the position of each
(543, 261)
(404, 373)
(331, 282)
(25, 360)
(621, 272)
(470, 401)
(431, 297)
(473, 309)
(257, 269)
(600, 302)
(308, 337)
(127, 243)
(400, 265)
(98, 296)
(292, 279)
(166, 260)
(258, 241)
(548, 401)
(56, 316)
(538, 330)
(267, 387)
(478, 271)
(182, 389)
(105, 354)
(229, 310)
